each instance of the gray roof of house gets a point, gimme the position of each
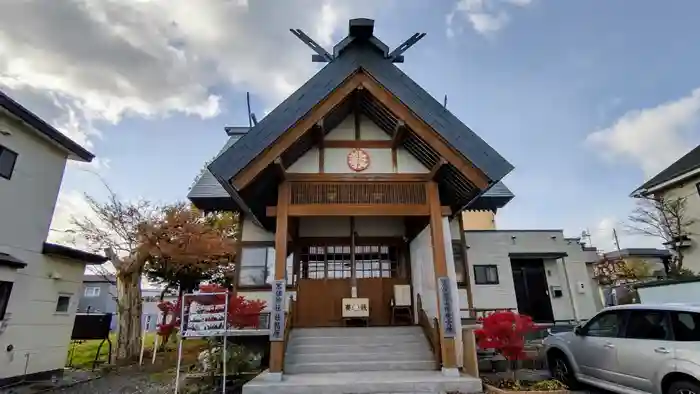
(72, 253)
(638, 252)
(685, 164)
(369, 56)
(45, 129)
(99, 278)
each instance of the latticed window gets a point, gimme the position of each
(335, 261)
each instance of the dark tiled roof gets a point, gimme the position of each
(44, 128)
(74, 254)
(365, 55)
(685, 164)
(8, 260)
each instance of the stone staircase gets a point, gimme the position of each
(325, 350)
(366, 360)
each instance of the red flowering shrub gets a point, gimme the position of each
(241, 312)
(505, 332)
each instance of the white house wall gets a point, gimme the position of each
(688, 292)
(27, 203)
(690, 192)
(493, 247)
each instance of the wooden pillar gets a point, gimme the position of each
(449, 359)
(277, 347)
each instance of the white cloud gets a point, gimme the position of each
(485, 16)
(104, 59)
(651, 138)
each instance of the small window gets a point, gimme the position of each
(686, 326)
(92, 291)
(648, 324)
(5, 290)
(697, 186)
(62, 303)
(486, 274)
(8, 159)
(254, 266)
(604, 325)
(458, 253)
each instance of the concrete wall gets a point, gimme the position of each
(689, 191)
(27, 202)
(335, 159)
(688, 292)
(493, 247)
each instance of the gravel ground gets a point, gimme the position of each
(116, 383)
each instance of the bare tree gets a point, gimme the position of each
(667, 219)
(114, 226)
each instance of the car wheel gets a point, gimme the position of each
(560, 368)
(683, 387)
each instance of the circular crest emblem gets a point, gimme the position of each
(358, 160)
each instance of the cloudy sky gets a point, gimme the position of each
(586, 98)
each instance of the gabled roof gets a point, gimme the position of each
(52, 249)
(371, 58)
(75, 151)
(684, 165)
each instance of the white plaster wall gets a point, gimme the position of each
(251, 232)
(378, 226)
(27, 202)
(423, 273)
(674, 293)
(335, 159)
(689, 191)
(324, 227)
(493, 247)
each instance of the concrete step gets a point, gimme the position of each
(419, 346)
(354, 366)
(354, 331)
(373, 382)
(396, 339)
(353, 356)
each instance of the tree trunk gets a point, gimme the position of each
(130, 311)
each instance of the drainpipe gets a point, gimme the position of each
(571, 293)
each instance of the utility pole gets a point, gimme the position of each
(617, 240)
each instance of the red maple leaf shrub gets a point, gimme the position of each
(505, 332)
(242, 313)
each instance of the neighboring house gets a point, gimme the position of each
(617, 271)
(40, 282)
(98, 294)
(681, 180)
(540, 273)
(357, 183)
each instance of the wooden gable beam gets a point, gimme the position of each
(423, 130)
(399, 134)
(255, 167)
(280, 167)
(436, 168)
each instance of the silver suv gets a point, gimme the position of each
(641, 348)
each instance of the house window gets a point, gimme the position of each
(5, 290)
(92, 291)
(8, 159)
(62, 303)
(486, 275)
(458, 254)
(697, 186)
(255, 265)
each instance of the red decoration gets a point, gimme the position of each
(242, 313)
(505, 332)
(358, 160)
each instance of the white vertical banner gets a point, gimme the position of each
(277, 314)
(445, 302)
